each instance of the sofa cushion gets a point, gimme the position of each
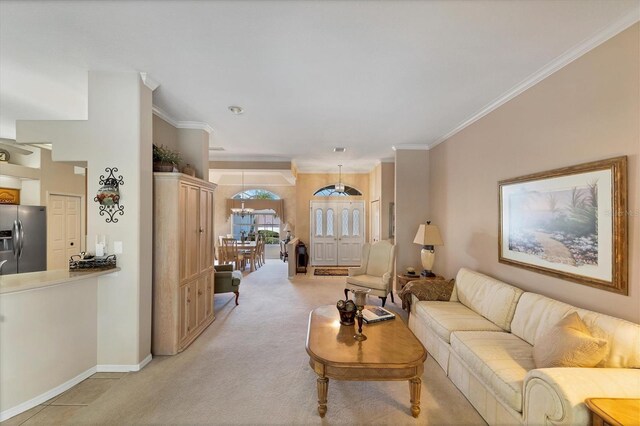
(446, 317)
(536, 314)
(489, 297)
(367, 281)
(500, 360)
(569, 344)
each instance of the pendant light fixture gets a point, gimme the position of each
(242, 211)
(340, 185)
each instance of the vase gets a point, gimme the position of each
(189, 170)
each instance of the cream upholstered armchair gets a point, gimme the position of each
(375, 272)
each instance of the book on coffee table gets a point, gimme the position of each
(377, 314)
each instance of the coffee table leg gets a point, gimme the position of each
(415, 385)
(323, 389)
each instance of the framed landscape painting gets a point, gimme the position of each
(570, 223)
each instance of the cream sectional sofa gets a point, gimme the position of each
(483, 339)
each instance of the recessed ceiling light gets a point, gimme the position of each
(339, 149)
(236, 109)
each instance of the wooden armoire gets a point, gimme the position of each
(183, 252)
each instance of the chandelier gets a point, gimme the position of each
(242, 211)
(340, 185)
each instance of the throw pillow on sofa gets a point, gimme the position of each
(569, 344)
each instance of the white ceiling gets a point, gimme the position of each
(310, 75)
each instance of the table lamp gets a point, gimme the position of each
(428, 236)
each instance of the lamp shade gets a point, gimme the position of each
(287, 227)
(428, 235)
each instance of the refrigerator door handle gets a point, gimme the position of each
(15, 231)
(21, 237)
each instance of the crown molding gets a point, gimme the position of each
(557, 64)
(195, 125)
(413, 146)
(198, 125)
(148, 81)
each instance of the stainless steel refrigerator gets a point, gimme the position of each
(23, 239)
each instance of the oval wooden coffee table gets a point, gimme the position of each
(391, 352)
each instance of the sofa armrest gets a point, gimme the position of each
(556, 395)
(439, 289)
(386, 278)
(356, 270)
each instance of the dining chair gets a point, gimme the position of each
(259, 256)
(232, 254)
(262, 255)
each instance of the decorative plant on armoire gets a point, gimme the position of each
(165, 159)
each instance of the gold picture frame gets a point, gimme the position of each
(570, 223)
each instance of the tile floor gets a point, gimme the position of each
(57, 410)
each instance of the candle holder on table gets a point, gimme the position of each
(360, 296)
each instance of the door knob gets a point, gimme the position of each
(71, 242)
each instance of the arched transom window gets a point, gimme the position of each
(330, 191)
(256, 194)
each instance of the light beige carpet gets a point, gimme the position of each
(250, 368)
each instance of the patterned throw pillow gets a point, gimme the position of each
(569, 344)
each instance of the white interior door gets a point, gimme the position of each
(337, 232)
(64, 230)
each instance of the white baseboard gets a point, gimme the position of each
(123, 368)
(108, 368)
(27, 405)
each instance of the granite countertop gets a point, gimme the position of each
(33, 280)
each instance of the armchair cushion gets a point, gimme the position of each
(376, 268)
(368, 281)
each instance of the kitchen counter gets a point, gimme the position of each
(33, 280)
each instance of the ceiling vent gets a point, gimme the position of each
(339, 149)
(216, 148)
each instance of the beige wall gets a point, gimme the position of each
(164, 133)
(308, 183)
(587, 111)
(387, 196)
(222, 224)
(192, 144)
(382, 189)
(412, 204)
(58, 178)
(49, 336)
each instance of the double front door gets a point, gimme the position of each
(337, 232)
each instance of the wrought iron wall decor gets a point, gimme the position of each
(109, 195)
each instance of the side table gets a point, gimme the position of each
(404, 279)
(614, 411)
